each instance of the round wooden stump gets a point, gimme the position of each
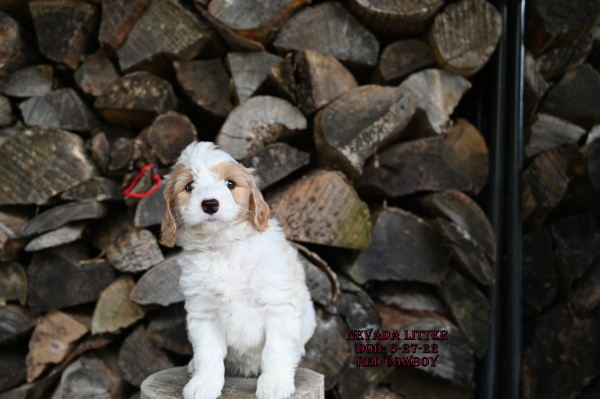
(168, 384)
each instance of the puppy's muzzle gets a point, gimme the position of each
(210, 206)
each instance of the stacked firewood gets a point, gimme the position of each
(345, 110)
(561, 201)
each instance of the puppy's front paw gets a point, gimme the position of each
(203, 387)
(274, 387)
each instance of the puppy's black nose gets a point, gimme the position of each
(210, 206)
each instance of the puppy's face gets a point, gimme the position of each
(210, 194)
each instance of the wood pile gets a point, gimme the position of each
(345, 110)
(561, 201)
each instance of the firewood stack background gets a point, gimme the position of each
(346, 111)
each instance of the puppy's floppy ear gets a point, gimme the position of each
(168, 227)
(259, 208)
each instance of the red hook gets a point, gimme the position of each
(155, 176)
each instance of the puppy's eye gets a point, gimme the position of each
(230, 184)
(189, 186)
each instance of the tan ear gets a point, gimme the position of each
(259, 208)
(168, 227)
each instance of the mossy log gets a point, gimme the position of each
(275, 162)
(33, 81)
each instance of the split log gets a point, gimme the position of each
(6, 115)
(64, 29)
(118, 17)
(52, 339)
(593, 164)
(539, 275)
(456, 161)
(96, 189)
(351, 128)
(410, 297)
(169, 385)
(114, 309)
(135, 100)
(562, 59)
(392, 19)
(167, 329)
(535, 88)
(320, 79)
(470, 309)
(62, 109)
(549, 132)
(402, 58)
(275, 162)
(12, 241)
(330, 29)
(151, 210)
(34, 81)
(464, 36)
(577, 240)
(58, 280)
(139, 358)
(100, 150)
(128, 248)
(545, 183)
(323, 208)
(357, 381)
(584, 297)
(281, 82)
(316, 261)
(258, 122)
(355, 306)
(15, 321)
(122, 156)
(317, 282)
(159, 285)
(558, 336)
(417, 384)
(400, 241)
(14, 369)
(64, 235)
(576, 97)
(206, 83)
(328, 352)
(593, 135)
(467, 253)
(437, 92)
(166, 30)
(381, 393)
(95, 74)
(13, 283)
(33, 179)
(248, 71)
(463, 211)
(89, 376)
(60, 215)
(17, 49)
(166, 138)
(255, 20)
(554, 23)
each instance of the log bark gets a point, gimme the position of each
(166, 138)
(402, 58)
(323, 208)
(320, 79)
(61, 236)
(97, 189)
(351, 128)
(575, 97)
(95, 74)
(464, 36)
(549, 132)
(139, 358)
(17, 48)
(400, 240)
(249, 70)
(33, 179)
(118, 17)
(275, 162)
(437, 93)
(330, 29)
(257, 123)
(15, 322)
(462, 210)
(135, 100)
(169, 385)
(114, 309)
(167, 329)
(60, 215)
(255, 20)
(13, 283)
(159, 285)
(64, 29)
(540, 281)
(562, 59)
(456, 161)
(206, 84)
(34, 81)
(148, 41)
(393, 19)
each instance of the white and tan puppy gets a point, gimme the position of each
(248, 309)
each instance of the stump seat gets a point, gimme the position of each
(168, 384)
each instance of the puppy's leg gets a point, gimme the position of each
(208, 339)
(281, 354)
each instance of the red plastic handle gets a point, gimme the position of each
(155, 176)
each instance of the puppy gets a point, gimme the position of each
(248, 309)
